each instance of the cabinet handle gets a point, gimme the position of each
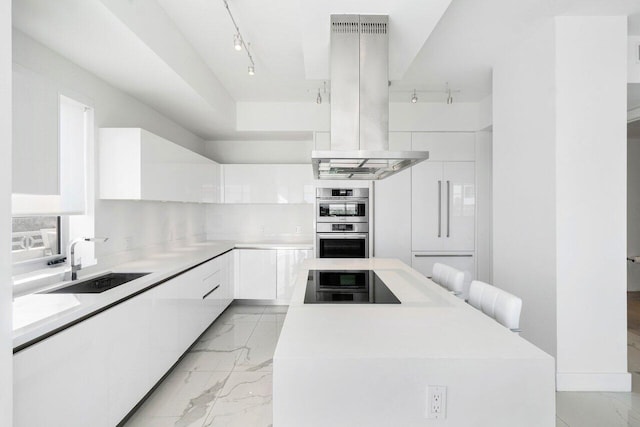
(448, 207)
(441, 256)
(439, 208)
(210, 292)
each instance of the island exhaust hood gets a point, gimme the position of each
(360, 104)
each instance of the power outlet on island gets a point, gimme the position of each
(436, 402)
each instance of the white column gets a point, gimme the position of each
(6, 356)
(560, 194)
(524, 201)
(591, 194)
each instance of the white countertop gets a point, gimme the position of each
(429, 323)
(36, 314)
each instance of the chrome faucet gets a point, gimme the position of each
(72, 274)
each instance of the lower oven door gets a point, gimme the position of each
(342, 245)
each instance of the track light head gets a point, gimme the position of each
(414, 98)
(252, 70)
(319, 98)
(237, 42)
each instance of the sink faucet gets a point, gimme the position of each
(72, 274)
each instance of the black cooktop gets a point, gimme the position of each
(347, 287)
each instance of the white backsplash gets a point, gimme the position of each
(260, 223)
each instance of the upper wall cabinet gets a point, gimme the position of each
(138, 165)
(268, 184)
(446, 146)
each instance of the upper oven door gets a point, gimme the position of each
(355, 210)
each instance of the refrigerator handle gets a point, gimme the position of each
(448, 207)
(439, 209)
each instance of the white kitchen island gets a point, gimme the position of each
(371, 364)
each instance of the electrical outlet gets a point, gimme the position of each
(436, 402)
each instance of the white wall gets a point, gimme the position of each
(524, 246)
(269, 152)
(6, 299)
(633, 212)
(591, 194)
(560, 194)
(433, 116)
(129, 225)
(484, 205)
(261, 223)
(403, 116)
(633, 62)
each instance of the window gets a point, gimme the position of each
(35, 237)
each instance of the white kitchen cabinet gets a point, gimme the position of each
(287, 271)
(217, 288)
(392, 208)
(93, 373)
(138, 165)
(322, 141)
(445, 146)
(256, 274)
(443, 206)
(268, 183)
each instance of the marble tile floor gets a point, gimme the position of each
(225, 380)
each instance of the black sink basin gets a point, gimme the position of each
(98, 284)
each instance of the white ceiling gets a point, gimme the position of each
(178, 57)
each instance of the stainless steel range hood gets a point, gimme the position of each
(360, 104)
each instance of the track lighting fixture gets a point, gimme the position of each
(238, 41)
(414, 98)
(449, 97)
(319, 97)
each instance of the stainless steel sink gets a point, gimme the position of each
(98, 284)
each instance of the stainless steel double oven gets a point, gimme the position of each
(342, 222)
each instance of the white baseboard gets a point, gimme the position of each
(615, 381)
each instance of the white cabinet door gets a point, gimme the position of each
(91, 374)
(426, 206)
(460, 206)
(268, 184)
(174, 316)
(138, 165)
(443, 206)
(392, 221)
(288, 266)
(59, 381)
(256, 274)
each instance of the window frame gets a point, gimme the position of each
(28, 265)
